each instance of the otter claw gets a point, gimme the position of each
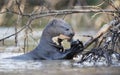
(77, 46)
(77, 42)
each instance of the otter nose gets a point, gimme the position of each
(72, 34)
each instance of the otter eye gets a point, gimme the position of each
(67, 29)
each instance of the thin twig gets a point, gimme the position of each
(27, 25)
(13, 34)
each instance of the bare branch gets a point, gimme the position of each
(100, 33)
(18, 5)
(62, 12)
(27, 25)
(13, 34)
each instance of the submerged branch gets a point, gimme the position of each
(102, 31)
(110, 33)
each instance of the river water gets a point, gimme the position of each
(52, 67)
(49, 67)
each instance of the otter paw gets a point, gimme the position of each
(77, 46)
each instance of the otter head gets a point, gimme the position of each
(60, 28)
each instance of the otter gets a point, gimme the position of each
(47, 49)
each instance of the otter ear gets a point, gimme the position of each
(54, 22)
